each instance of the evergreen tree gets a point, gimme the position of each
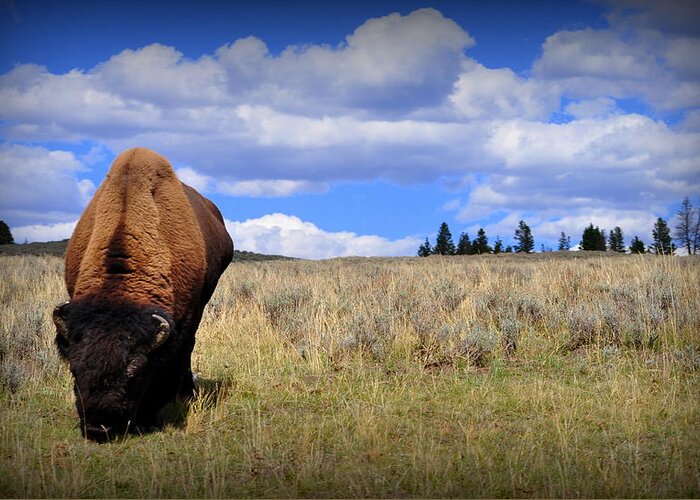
(498, 246)
(637, 245)
(588, 238)
(593, 239)
(616, 241)
(509, 249)
(564, 242)
(464, 246)
(5, 234)
(523, 237)
(481, 243)
(425, 249)
(663, 245)
(444, 244)
(687, 230)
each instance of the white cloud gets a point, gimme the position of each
(392, 62)
(591, 108)
(163, 76)
(43, 232)
(36, 181)
(288, 235)
(624, 61)
(620, 164)
(265, 187)
(601, 53)
(612, 145)
(483, 93)
(632, 222)
(41, 105)
(271, 128)
(194, 179)
(87, 189)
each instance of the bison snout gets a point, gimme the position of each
(99, 433)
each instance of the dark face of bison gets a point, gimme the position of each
(113, 352)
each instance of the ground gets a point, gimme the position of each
(560, 375)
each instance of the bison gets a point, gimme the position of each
(143, 261)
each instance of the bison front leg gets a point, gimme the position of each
(186, 390)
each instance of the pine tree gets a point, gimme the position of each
(593, 239)
(588, 238)
(523, 237)
(498, 245)
(602, 243)
(616, 241)
(687, 230)
(564, 242)
(509, 249)
(464, 246)
(444, 244)
(5, 234)
(481, 243)
(637, 245)
(425, 249)
(663, 245)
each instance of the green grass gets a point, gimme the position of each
(388, 378)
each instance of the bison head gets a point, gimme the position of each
(113, 352)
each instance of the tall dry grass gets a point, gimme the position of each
(528, 376)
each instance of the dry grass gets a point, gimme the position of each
(495, 376)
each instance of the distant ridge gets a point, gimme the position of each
(58, 248)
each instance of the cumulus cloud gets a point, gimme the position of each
(288, 235)
(595, 53)
(633, 58)
(43, 232)
(194, 179)
(612, 145)
(619, 165)
(483, 93)
(390, 63)
(36, 182)
(139, 74)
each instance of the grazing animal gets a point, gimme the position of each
(141, 265)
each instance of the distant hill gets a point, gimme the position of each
(48, 248)
(58, 248)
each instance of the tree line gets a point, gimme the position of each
(686, 233)
(444, 244)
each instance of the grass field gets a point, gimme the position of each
(492, 376)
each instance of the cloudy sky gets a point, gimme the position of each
(327, 129)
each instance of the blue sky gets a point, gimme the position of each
(325, 129)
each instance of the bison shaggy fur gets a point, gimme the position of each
(143, 261)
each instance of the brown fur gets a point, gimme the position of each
(141, 238)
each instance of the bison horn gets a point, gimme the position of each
(59, 320)
(162, 333)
